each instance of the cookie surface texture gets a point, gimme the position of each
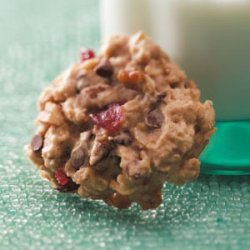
(116, 126)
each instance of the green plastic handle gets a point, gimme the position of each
(228, 152)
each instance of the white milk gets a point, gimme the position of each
(210, 39)
(124, 17)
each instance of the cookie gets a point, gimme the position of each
(117, 126)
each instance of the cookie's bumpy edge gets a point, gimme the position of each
(117, 126)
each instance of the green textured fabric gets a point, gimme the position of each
(38, 39)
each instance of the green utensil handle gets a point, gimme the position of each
(228, 152)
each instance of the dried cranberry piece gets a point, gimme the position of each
(86, 54)
(70, 187)
(61, 177)
(65, 183)
(110, 119)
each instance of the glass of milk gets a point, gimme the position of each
(210, 39)
(213, 46)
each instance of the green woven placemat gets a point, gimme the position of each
(38, 39)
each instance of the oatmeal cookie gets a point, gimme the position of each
(117, 126)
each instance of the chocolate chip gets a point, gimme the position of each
(154, 118)
(145, 181)
(187, 84)
(104, 69)
(160, 97)
(102, 164)
(77, 158)
(36, 143)
(197, 128)
(174, 85)
(112, 162)
(119, 201)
